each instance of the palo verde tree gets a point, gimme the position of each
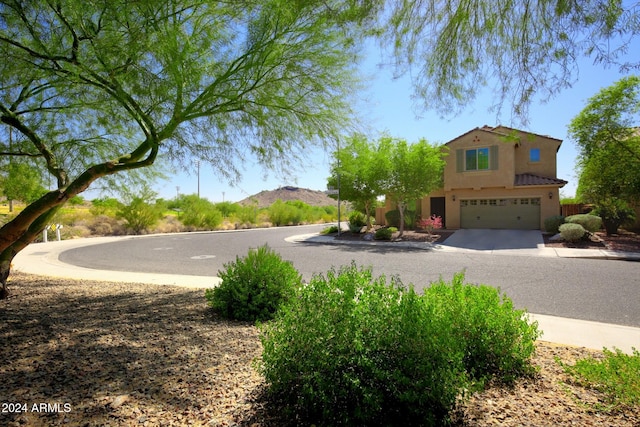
(607, 133)
(523, 49)
(415, 171)
(93, 88)
(358, 172)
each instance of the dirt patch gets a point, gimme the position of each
(623, 241)
(115, 354)
(438, 236)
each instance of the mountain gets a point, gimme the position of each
(310, 197)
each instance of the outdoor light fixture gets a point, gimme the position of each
(550, 195)
(454, 197)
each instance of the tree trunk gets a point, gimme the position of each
(401, 225)
(24, 229)
(367, 207)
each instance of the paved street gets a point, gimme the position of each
(589, 289)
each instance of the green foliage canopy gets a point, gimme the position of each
(92, 89)
(416, 170)
(609, 140)
(360, 168)
(522, 48)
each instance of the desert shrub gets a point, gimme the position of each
(572, 232)
(357, 220)
(615, 213)
(248, 214)
(330, 230)
(104, 225)
(552, 224)
(589, 222)
(496, 340)
(104, 206)
(384, 233)
(281, 213)
(255, 286)
(616, 376)
(410, 219)
(140, 215)
(393, 218)
(199, 213)
(227, 209)
(169, 224)
(354, 350)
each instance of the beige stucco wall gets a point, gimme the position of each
(547, 166)
(478, 138)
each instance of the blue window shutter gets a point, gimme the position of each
(459, 160)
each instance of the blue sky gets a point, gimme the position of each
(390, 109)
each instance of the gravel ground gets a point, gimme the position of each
(83, 353)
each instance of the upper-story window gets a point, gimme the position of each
(477, 159)
(534, 155)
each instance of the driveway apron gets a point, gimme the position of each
(494, 240)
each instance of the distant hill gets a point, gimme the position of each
(310, 197)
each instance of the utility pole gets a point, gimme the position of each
(338, 160)
(198, 165)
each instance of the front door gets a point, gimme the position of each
(437, 209)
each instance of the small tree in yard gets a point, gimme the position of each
(360, 169)
(416, 170)
(93, 89)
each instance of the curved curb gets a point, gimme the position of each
(43, 259)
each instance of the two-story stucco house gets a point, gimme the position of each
(497, 177)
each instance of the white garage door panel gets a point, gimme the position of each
(521, 213)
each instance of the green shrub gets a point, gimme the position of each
(254, 287)
(140, 215)
(616, 377)
(497, 341)
(615, 213)
(330, 230)
(351, 350)
(357, 220)
(199, 213)
(553, 223)
(384, 233)
(410, 219)
(572, 232)
(589, 222)
(393, 218)
(281, 213)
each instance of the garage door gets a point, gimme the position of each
(520, 213)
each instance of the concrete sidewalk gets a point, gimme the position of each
(42, 259)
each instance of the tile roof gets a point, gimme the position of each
(532, 179)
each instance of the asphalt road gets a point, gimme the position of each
(599, 290)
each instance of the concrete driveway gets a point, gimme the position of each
(492, 240)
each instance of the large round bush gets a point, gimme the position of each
(354, 350)
(553, 223)
(589, 222)
(572, 232)
(497, 340)
(254, 287)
